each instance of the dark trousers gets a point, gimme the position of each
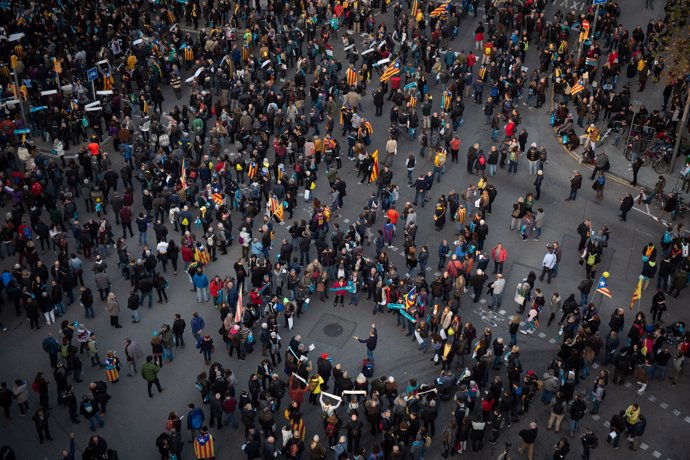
(151, 384)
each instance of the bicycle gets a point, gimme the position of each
(615, 129)
(663, 161)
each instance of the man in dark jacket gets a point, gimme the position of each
(529, 437)
(370, 342)
(324, 368)
(626, 205)
(575, 185)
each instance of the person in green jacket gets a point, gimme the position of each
(149, 371)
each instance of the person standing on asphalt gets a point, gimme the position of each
(198, 325)
(370, 342)
(178, 328)
(626, 205)
(133, 353)
(113, 308)
(89, 409)
(547, 264)
(575, 185)
(149, 372)
(40, 420)
(529, 437)
(497, 286)
(589, 442)
(601, 164)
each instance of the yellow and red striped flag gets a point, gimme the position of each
(183, 175)
(392, 69)
(351, 77)
(440, 10)
(375, 166)
(413, 101)
(217, 198)
(637, 295)
(415, 7)
(275, 207)
(446, 100)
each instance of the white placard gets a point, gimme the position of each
(332, 396)
(300, 378)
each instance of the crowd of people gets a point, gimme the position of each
(263, 80)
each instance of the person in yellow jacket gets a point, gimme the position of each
(440, 163)
(203, 445)
(632, 415)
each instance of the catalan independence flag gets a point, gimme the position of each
(252, 170)
(441, 10)
(411, 298)
(415, 8)
(375, 166)
(392, 69)
(576, 88)
(351, 77)
(603, 287)
(413, 101)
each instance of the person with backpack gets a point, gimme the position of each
(89, 410)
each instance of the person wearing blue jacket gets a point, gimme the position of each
(200, 281)
(197, 324)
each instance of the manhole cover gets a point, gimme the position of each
(333, 329)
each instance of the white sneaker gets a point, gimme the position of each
(522, 331)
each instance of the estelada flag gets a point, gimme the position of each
(188, 53)
(413, 102)
(603, 287)
(245, 53)
(217, 198)
(411, 298)
(203, 446)
(351, 77)
(375, 166)
(392, 69)
(252, 170)
(201, 255)
(440, 10)
(576, 88)
(415, 7)
(637, 295)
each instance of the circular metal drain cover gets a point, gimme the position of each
(333, 329)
